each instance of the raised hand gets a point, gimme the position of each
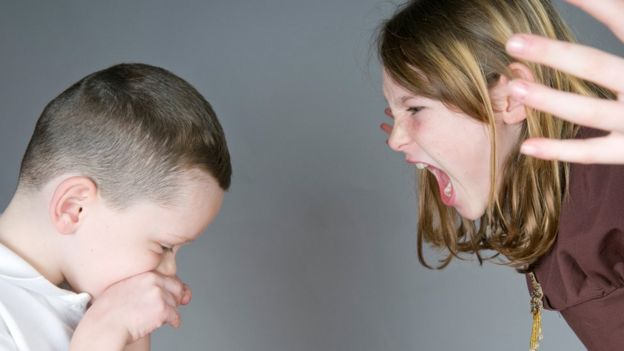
(587, 63)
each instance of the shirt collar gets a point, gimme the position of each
(17, 271)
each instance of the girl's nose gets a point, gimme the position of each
(399, 138)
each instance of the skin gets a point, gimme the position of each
(426, 131)
(70, 234)
(588, 63)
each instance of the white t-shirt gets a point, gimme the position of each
(35, 315)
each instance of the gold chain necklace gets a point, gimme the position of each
(536, 310)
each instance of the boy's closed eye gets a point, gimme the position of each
(165, 247)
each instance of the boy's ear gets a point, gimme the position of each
(70, 202)
(506, 108)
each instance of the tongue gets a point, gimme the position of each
(443, 181)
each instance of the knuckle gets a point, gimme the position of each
(177, 285)
(156, 292)
(161, 308)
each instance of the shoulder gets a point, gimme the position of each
(34, 319)
(594, 188)
(37, 314)
(587, 260)
(592, 215)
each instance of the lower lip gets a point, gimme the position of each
(443, 181)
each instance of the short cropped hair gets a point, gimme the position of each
(133, 129)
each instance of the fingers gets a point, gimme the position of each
(582, 61)
(609, 12)
(180, 291)
(170, 308)
(138, 305)
(173, 317)
(174, 293)
(187, 295)
(169, 299)
(583, 110)
(579, 151)
(388, 112)
(386, 128)
(174, 286)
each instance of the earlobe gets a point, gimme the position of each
(70, 201)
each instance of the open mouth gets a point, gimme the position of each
(445, 186)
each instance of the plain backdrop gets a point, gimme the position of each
(315, 248)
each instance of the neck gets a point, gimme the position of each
(26, 230)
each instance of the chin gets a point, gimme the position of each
(472, 214)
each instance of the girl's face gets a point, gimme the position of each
(451, 145)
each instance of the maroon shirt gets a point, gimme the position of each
(583, 274)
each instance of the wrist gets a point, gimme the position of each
(96, 332)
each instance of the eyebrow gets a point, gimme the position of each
(407, 97)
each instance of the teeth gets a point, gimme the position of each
(421, 165)
(448, 189)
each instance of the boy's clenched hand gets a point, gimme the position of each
(129, 310)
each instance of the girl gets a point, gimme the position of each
(456, 115)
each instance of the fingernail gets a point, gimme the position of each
(519, 89)
(528, 149)
(516, 45)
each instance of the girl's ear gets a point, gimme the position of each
(70, 203)
(506, 108)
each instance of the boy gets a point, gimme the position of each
(124, 168)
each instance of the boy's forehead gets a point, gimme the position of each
(202, 199)
(194, 204)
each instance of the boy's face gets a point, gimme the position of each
(112, 245)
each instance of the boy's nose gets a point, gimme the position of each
(167, 265)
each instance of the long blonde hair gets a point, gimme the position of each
(454, 51)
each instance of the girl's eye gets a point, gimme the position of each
(415, 109)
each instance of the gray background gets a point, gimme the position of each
(315, 246)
